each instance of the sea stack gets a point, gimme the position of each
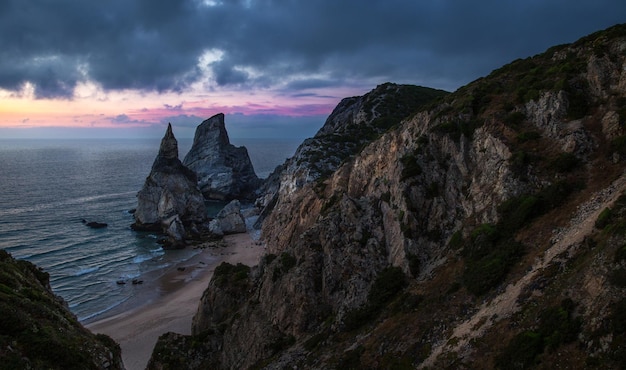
(224, 171)
(170, 200)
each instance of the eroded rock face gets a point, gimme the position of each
(170, 199)
(224, 171)
(354, 123)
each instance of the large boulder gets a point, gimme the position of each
(170, 199)
(224, 171)
(229, 220)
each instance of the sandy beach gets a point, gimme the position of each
(179, 291)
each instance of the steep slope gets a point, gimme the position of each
(37, 330)
(354, 123)
(461, 238)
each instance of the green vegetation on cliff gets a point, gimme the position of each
(38, 331)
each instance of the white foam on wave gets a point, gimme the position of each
(157, 252)
(86, 271)
(142, 258)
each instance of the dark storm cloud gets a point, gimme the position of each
(156, 45)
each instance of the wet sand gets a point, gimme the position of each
(172, 300)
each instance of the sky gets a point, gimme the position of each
(275, 68)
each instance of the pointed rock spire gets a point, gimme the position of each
(170, 197)
(169, 144)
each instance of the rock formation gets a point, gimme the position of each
(38, 331)
(354, 123)
(229, 220)
(170, 200)
(484, 230)
(224, 171)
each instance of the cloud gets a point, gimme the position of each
(160, 46)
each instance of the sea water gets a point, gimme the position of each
(47, 189)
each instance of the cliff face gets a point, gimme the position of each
(170, 200)
(37, 330)
(353, 124)
(483, 231)
(224, 171)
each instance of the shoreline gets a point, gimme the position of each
(171, 301)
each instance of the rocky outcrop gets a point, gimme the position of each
(451, 240)
(354, 123)
(170, 201)
(38, 331)
(224, 171)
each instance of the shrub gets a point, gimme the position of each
(414, 264)
(432, 190)
(528, 136)
(389, 282)
(484, 273)
(565, 162)
(482, 241)
(282, 342)
(285, 262)
(351, 360)
(578, 104)
(556, 326)
(227, 273)
(456, 240)
(618, 317)
(521, 351)
(618, 278)
(620, 254)
(618, 145)
(515, 118)
(604, 218)
(519, 161)
(410, 167)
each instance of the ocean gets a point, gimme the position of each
(50, 186)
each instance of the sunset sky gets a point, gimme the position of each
(276, 68)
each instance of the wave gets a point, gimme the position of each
(109, 308)
(86, 271)
(142, 258)
(74, 201)
(157, 252)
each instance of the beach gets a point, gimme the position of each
(172, 300)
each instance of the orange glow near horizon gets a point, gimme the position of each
(92, 107)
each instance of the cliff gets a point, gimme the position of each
(224, 171)
(354, 123)
(170, 200)
(486, 230)
(37, 330)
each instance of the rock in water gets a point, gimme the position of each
(170, 199)
(224, 170)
